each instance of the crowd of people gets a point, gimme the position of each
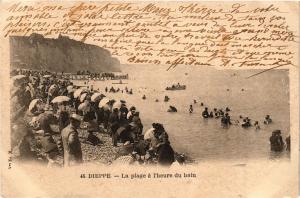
(104, 75)
(178, 86)
(276, 141)
(117, 90)
(40, 101)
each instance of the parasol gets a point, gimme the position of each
(84, 106)
(117, 105)
(78, 92)
(33, 103)
(60, 99)
(97, 96)
(149, 134)
(103, 102)
(18, 77)
(82, 97)
(47, 76)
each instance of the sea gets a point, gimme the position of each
(205, 139)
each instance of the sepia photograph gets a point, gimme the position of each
(109, 112)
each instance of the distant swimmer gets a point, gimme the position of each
(242, 89)
(246, 122)
(205, 113)
(195, 101)
(144, 97)
(191, 109)
(267, 120)
(225, 121)
(172, 109)
(256, 124)
(166, 98)
(227, 109)
(156, 100)
(217, 115)
(221, 112)
(202, 104)
(228, 89)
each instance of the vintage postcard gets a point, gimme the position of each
(149, 99)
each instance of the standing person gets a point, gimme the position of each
(63, 122)
(276, 141)
(226, 121)
(256, 124)
(71, 143)
(191, 109)
(165, 152)
(123, 113)
(216, 113)
(114, 124)
(63, 116)
(205, 113)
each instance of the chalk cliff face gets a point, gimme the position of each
(57, 55)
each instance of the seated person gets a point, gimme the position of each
(92, 139)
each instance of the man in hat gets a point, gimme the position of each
(71, 143)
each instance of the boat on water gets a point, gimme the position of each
(176, 87)
(120, 82)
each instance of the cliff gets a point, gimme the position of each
(57, 55)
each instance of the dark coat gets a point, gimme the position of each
(276, 143)
(63, 120)
(165, 154)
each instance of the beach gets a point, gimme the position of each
(205, 139)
